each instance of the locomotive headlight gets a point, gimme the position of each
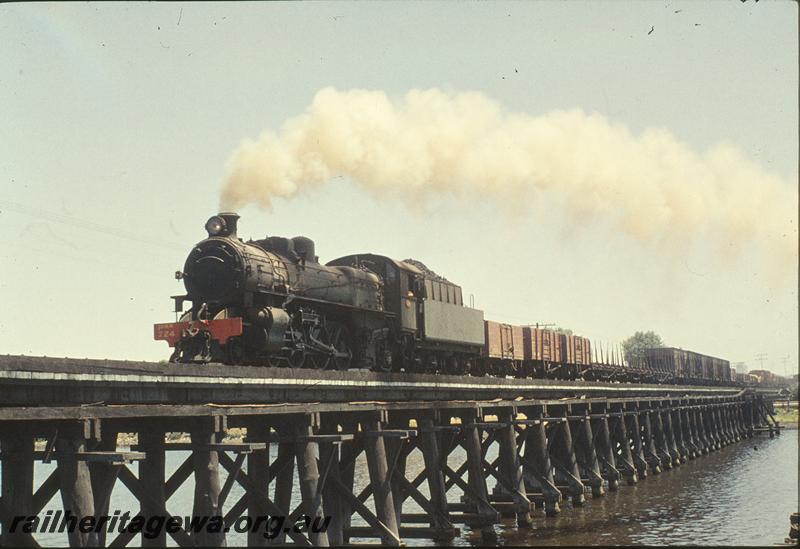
(215, 225)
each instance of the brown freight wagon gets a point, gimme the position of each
(711, 368)
(575, 350)
(558, 349)
(503, 341)
(742, 378)
(653, 358)
(567, 348)
(695, 365)
(689, 372)
(688, 364)
(583, 351)
(541, 345)
(708, 366)
(667, 360)
(682, 369)
(719, 370)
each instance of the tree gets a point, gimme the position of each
(563, 331)
(634, 347)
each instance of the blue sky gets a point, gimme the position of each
(119, 120)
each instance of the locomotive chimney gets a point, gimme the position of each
(231, 220)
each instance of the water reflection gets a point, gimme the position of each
(737, 496)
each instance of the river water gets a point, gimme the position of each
(740, 495)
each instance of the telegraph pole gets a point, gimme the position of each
(761, 357)
(785, 361)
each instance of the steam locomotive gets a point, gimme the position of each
(271, 302)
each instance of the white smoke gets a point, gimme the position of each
(651, 186)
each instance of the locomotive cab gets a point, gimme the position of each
(435, 331)
(401, 285)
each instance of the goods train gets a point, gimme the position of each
(765, 378)
(271, 302)
(689, 366)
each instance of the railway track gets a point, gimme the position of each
(46, 381)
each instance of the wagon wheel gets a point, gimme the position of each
(450, 365)
(315, 360)
(462, 366)
(428, 363)
(234, 351)
(406, 358)
(383, 359)
(297, 358)
(274, 360)
(479, 367)
(338, 338)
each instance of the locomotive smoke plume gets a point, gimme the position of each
(651, 186)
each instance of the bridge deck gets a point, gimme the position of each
(101, 410)
(43, 381)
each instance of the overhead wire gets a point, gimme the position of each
(88, 225)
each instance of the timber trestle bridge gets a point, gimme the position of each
(491, 449)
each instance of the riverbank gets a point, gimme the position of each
(788, 419)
